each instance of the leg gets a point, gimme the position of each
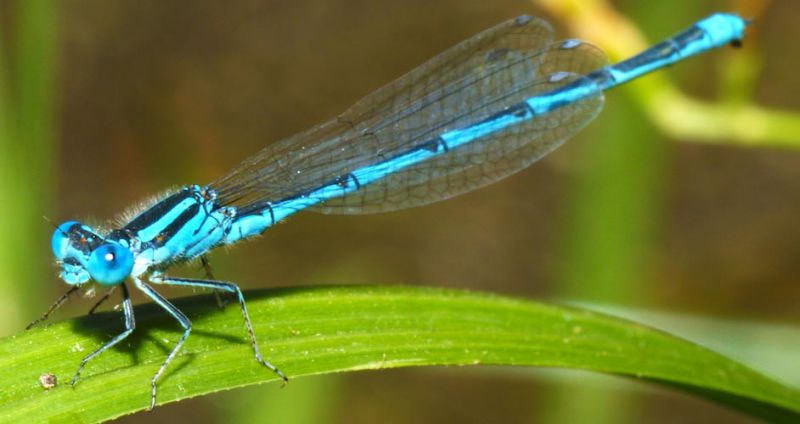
(57, 304)
(100, 301)
(228, 287)
(210, 276)
(185, 323)
(130, 324)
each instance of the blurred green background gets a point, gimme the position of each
(103, 104)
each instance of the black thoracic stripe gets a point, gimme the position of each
(175, 226)
(151, 215)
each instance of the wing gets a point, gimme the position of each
(467, 83)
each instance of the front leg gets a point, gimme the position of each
(57, 304)
(102, 300)
(231, 288)
(130, 324)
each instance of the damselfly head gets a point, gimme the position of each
(83, 254)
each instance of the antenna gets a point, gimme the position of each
(54, 225)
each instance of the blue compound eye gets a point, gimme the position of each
(60, 242)
(110, 264)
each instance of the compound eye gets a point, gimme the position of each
(60, 242)
(110, 264)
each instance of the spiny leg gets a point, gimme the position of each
(231, 288)
(182, 319)
(57, 304)
(210, 276)
(100, 301)
(130, 324)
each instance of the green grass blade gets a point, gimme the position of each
(321, 330)
(28, 91)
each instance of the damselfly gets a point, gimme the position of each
(476, 113)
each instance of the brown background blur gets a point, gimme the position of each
(155, 94)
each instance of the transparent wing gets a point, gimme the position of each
(467, 83)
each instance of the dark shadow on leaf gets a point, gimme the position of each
(103, 326)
